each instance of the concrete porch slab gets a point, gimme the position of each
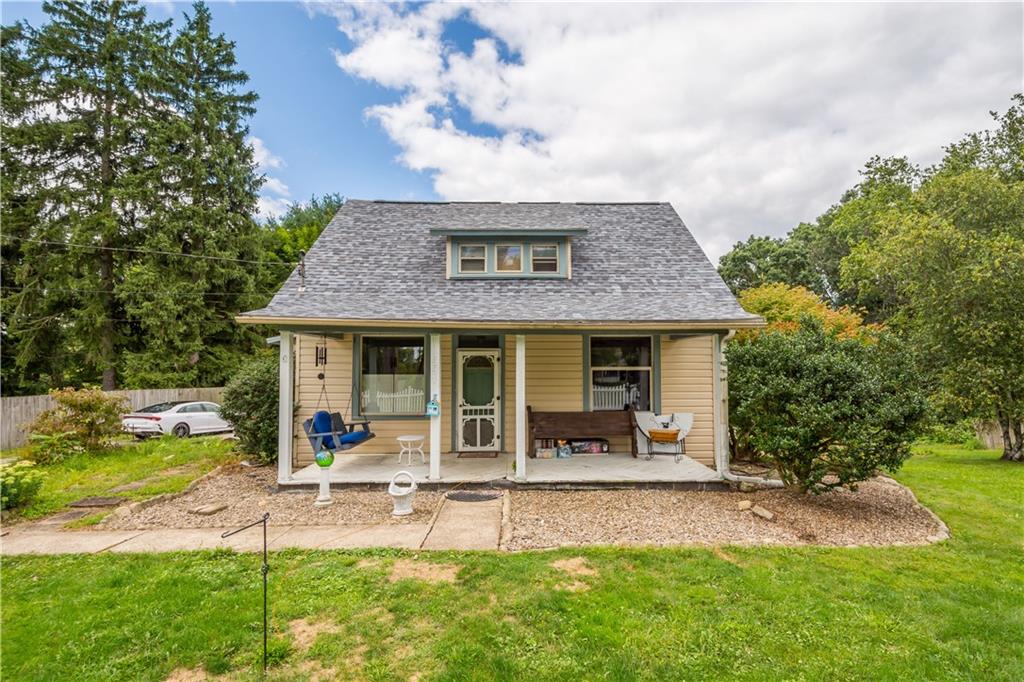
(613, 469)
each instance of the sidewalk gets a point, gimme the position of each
(456, 526)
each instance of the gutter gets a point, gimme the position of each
(722, 461)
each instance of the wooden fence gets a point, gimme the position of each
(19, 411)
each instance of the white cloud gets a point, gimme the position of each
(269, 207)
(749, 118)
(263, 156)
(276, 186)
(277, 201)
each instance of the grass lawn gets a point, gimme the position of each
(166, 464)
(949, 611)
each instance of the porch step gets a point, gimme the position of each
(466, 525)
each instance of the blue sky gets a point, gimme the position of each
(310, 113)
(748, 118)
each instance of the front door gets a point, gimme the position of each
(479, 393)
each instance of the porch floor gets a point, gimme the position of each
(612, 468)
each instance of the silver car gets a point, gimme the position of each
(182, 418)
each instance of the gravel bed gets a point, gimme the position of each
(250, 492)
(881, 512)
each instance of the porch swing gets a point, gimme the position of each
(328, 430)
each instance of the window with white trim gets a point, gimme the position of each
(509, 257)
(621, 370)
(544, 258)
(472, 258)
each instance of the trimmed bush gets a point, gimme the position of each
(19, 484)
(250, 404)
(826, 411)
(83, 420)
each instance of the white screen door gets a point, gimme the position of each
(479, 392)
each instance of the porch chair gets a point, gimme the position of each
(651, 444)
(328, 431)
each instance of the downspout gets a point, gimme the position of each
(721, 423)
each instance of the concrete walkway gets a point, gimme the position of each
(457, 525)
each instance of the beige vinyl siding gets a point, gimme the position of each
(687, 386)
(339, 389)
(554, 377)
(554, 381)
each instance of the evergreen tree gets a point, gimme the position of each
(89, 123)
(21, 202)
(208, 189)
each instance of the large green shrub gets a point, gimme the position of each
(826, 411)
(83, 420)
(250, 403)
(19, 484)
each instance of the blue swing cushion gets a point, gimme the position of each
(322, 424)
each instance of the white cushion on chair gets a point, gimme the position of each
(648, 420)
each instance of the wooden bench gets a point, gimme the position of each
(579, 426)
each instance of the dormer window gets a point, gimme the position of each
(509, 257)
(494, 253)
(544, 258)
(472, 258)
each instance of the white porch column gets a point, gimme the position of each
(435, 422)
(520, 407)
(286, 408)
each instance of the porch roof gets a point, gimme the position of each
(383, 262)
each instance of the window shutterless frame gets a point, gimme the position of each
(357, 376)
(552, 258)
(591, 369)
(498, 261)
(479, 252)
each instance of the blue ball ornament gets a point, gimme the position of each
(324, 458)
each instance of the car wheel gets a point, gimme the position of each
(181, 430)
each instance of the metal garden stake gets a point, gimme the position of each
(264, 569)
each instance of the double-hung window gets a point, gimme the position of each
(620, 372)
(544, 257)
(472, 258)
(392, 376)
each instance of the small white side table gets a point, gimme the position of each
(411, 444)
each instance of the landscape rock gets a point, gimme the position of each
(762, 512)
(745, 487)
(744, 505)
(97, 502)
(208, 509)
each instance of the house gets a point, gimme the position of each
(489, 308)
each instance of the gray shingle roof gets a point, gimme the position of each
(378, 261)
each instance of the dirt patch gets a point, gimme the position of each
(368, 563)
(305, 632)
(316, 672)
(575, 566)
(881, 512)
(423, 570)
(187, 675)
(728, 558)
(249, 492)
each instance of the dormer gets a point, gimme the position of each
(508, 253)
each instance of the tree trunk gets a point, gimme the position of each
(1013, 440)
(1013, 437)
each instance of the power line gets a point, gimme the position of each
(154, 252)
(120, 294)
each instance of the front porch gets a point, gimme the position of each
(613, 468)
(480, 386)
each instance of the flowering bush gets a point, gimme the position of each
(19, 484)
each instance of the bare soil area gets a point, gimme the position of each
(881, 512)
(250, 492)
